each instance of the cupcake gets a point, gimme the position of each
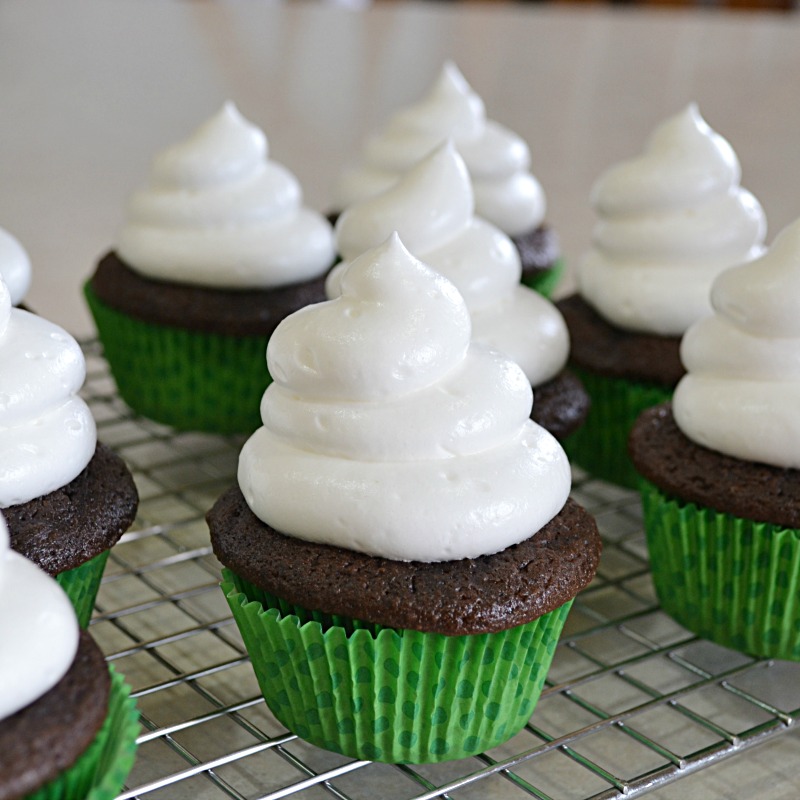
(400, 553)
(216, 251)
(669, 222)
(15, 267)
(67, 724)
(721, 464)
(66, 498)
(498, 160)
(432, 208)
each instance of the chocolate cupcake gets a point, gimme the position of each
(400, 554)
(431, 207)
(497, 159)
(669, 222)
(67, 725)
(721, 470)
(67, 498)
(216, 251)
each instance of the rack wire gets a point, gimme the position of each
(632, 702)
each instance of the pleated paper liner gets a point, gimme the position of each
(600, 445)
(190, 380)
(398, 696)
(546, 282)
(100, 772)
(81, 585)
(730, 580)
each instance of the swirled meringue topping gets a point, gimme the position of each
(38, 630)
(432, 208)
(414, 443)
(217, 212)
(742, 392)
(498, 160)
(47, 433)
(15, 267)
(669, 222)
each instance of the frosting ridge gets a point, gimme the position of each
(742, 389)
(669, 221)
(218, 212)
(415, 443)
(432, 208)
(498, 160)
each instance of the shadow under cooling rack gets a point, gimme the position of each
(633, 701)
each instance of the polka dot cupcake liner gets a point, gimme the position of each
(190, 380)
(101, 770)
(81, 585)
(546, 282)
(600, 445)
(730, 580)
(398, 696)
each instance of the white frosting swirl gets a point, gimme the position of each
(15, 267)
(431, 207)
(38, 630)
(742, 392)
(498, 160)
(669, 222)
(217, 212)
(385, 431)
(47, 433)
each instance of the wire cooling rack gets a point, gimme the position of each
(633, 702)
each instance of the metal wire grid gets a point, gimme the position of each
(632, 702)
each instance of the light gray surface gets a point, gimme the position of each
(92, 89)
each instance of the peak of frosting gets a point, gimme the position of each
(669, 221)
(742, 389)
(218, 212)
(38, 630)
(497, 159)
(49, 434)
(15, 267)
(431, 208)
(423, 449)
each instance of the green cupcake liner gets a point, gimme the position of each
(600, 445)
(398, 696)
(81, 585)
(190, 380)
(730, 580)
(546, 282)
(101, 770)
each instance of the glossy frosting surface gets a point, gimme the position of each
(15, 267)
(669, 221)
(48, 433)
(218, 212)
(742, 392)
(38, 630)
(498, 160)
(432, 208)
(388, 432)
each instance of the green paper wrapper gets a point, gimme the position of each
(187, 379)
(727, 579)
(600, 445)
(546, 282)
(100, 772)
(81, 585)
(398, 696)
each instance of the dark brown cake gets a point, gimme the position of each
(561, 404)
(469, 596)
(251, 312)
(539, 250)
(600, 347)
(64, 529)
(666, 457)
(46, 737)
